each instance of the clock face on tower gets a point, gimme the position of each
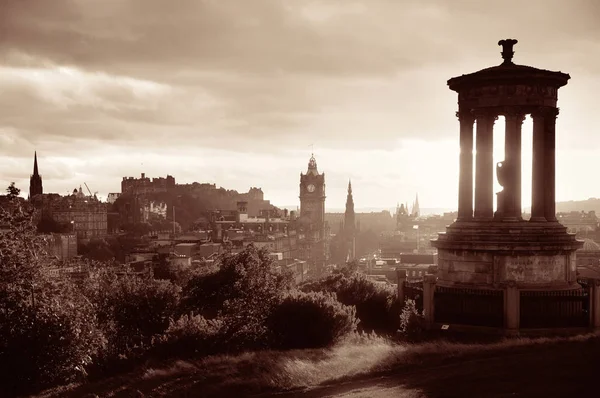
(310, 188)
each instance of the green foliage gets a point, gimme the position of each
(12, 191)
(376, 306)
(49, 342)
(53, 332)
(192, 335)
(349, 269)
(22, 252)
(242, 291)
(247, 277)
(48, 330)
(179, 275)
(310, 320)
(411, 321)
(131, 309)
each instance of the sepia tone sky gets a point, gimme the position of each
(235, 91)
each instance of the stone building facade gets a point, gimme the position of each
(86, 214)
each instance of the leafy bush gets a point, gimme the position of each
(376, 306)
(310, 320)
(192, 335)
(411, 320)
(48, 329)
(166, 270)
(51, 343)
(242, 292)
(132, 312)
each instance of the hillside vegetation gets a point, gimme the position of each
(373, 367)
(55, 331)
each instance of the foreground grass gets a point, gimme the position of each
(270, 371)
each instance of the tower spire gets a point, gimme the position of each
(350, 225)
(416, 211)
(35, 166)
(35, 181)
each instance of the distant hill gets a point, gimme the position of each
(591, 204)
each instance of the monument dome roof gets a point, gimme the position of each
(508, 72)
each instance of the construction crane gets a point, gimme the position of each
(88, 188)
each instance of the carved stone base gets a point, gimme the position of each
(490, 255)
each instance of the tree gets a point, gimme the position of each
(131, 309)
(377, 306)
(243, 291)
(310, 320)
(48, 332)
(12, 191)
(21, 249)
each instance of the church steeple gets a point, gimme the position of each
(35, 181)
(349, 198)
(416, 212)
(35, 166)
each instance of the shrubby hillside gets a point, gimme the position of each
(56, 331)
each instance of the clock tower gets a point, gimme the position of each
(312, 216)
(312, 195)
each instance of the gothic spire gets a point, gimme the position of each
(349, 199)
(416, 210)
(35, 181)
(35, 166)
(349, 225)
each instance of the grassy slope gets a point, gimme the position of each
(373, 367)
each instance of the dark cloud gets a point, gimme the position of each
(81, 78)
(249, 70)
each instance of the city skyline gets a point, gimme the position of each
(249, 87)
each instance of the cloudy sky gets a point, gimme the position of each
(235, 91)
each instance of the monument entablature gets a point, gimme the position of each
(509, 85)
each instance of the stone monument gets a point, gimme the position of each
(497, 250)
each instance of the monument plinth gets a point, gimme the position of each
(493, 249)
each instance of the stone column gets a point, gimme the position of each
(512, 155)
(465, 179)
(550, 163)
(538, 174)
(484, 162)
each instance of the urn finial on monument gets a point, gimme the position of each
(507, 50)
